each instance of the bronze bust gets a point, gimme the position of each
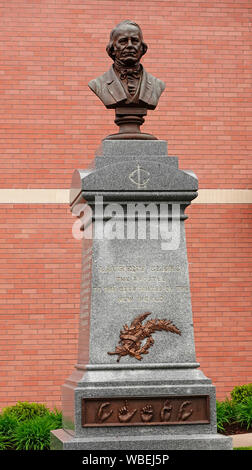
(127, 87)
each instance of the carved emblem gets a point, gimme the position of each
(130, 343)
(139, 177)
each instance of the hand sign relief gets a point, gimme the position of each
(146, 413)
(165, 412)
(103, 412)
(124, 414)
(184, 412)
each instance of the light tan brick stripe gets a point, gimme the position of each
(61, 196)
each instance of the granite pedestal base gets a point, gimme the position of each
(61, 440)
(132, 289)
(162, 387)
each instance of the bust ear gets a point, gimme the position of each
(110, 50)
(144, 48)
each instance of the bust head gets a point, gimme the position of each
(126, 44)
(127, 87)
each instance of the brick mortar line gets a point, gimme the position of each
(61, 196)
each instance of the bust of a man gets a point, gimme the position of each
(127, 83)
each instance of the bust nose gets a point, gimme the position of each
(129, 44)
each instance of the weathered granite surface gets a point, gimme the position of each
(132, 148)
(61, 440)
(129, 277)
(122, 279)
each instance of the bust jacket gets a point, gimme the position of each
(108, 87)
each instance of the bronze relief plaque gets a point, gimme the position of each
(138, 411)
(131, 337)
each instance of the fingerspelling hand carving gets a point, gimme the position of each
(184, 413)
(103, 413)
(165, 413)
(146, 413)
(124, 414)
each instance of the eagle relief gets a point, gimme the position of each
(131, 337)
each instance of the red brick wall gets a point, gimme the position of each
(39, 302)
(219, 251)
(51, 123)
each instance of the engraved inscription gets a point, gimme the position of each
(130, 343)
(135, 283)
(134, 411)
(112, 268)
(136, 268)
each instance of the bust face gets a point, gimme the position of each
(127, 45)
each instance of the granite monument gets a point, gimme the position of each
(141, 388)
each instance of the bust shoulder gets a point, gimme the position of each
(156, 82)
(97, 83)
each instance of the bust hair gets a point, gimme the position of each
(110, 47)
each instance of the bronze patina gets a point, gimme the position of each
(135, 411)
(131, 338)
(126, 86)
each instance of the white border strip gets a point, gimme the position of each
(34, 196)
(224, 196)
(61, 196)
